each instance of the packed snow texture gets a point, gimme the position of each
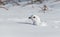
(15, 23)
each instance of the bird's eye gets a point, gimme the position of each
(34, 17)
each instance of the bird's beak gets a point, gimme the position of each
(29, 17)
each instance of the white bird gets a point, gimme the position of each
(35, 19)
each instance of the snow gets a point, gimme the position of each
(15, 23)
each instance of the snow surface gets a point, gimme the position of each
(15, 23)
